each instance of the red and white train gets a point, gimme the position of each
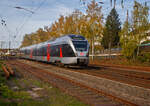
(67, 50)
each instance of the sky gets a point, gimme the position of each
(20, 22)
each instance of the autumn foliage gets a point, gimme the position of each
(89, 25)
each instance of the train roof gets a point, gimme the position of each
(70, 37)
(64, 38)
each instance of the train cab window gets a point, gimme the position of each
(80, 45)
(67, 51)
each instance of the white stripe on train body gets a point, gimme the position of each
(68, 49)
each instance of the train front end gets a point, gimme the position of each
(81, 49)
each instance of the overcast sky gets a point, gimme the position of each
(20, 22)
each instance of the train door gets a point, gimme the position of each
(31, 51)
(60, 51)
(48, 52)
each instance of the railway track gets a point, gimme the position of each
(87, 94)
(128, 76)
(141, 79)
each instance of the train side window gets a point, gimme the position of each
(34, 52)
(38, 52)
(22, 51)
(25, 52)
(52, 50)
(55, 51)
(28, 51)
(44, 51)
(41, 51)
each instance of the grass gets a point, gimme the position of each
(48, 95)
(8, 103)
(120, 61)
(9, 94)
(5, 92)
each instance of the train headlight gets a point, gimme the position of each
(76, 54)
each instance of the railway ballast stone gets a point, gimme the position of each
(134, 94)
(138, 95)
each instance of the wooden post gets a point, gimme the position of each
(10, 70)
(5, 71)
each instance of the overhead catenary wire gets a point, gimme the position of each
(5, 27)
(27, 19)
(3, 23)
(20, 27)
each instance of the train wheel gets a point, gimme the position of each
(85, 65)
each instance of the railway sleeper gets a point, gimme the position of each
(57, 80)
(87, 96)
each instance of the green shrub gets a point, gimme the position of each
(129, 49)
(144, 57)
(5, 91)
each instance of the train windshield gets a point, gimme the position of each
(80, 45)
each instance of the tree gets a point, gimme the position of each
(89, 25)
(101, 2)
(134, 32)
(94, 23)
(26, 41)
(111, 31)
(140, 22)
(42, 35)
(128, 43)
(125, 39)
